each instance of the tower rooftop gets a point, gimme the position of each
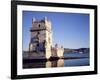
(34, 20)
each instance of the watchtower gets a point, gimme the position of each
(41, 37)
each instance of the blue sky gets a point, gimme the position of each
(70, 30)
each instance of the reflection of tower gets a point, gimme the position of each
(55, 63)
(48, 64)
(41, 37)
(60, 63)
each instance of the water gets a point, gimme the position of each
(61, 62)
(76, 54)
(77, 62)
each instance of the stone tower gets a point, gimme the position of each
(41, 37)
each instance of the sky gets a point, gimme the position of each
(70, 30)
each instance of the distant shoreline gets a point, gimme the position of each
(68, 50)
(83, 50)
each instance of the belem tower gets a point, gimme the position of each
(40, 45)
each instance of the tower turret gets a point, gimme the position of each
(33, 20)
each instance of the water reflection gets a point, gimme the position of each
(60, 62)
(47, 64)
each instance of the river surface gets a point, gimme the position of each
(62, 62)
